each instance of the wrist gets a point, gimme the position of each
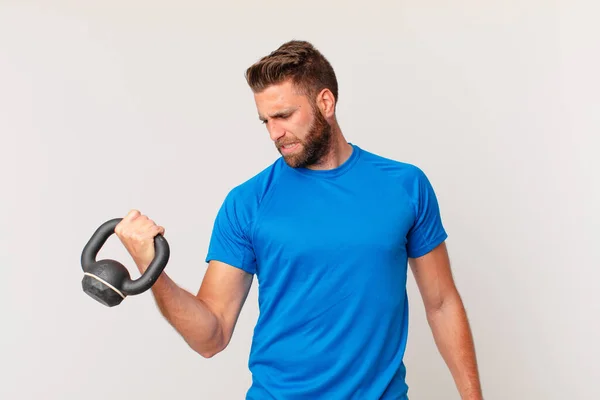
(141, 264)
(162, 284)
(473, 396)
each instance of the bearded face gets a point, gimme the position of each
(302, 153)
(295, 123)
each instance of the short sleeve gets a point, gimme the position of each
(427, 231)
(230, 242)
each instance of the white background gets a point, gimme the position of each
(111, 105)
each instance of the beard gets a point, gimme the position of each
(314, 147)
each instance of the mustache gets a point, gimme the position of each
(281, 143)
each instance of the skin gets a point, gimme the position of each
(291, 118)
(447, 319)
(206, 320)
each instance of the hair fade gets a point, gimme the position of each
(298, 61)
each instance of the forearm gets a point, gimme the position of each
(194, 321)
(454, 340)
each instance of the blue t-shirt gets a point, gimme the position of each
(329, 249)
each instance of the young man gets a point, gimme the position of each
(329, 230)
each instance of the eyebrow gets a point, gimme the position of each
(279, 114)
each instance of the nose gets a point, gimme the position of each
(275, 130)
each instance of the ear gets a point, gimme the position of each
(326, 103)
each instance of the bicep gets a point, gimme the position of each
(433, 277)
(224, 290)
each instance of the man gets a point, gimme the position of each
(329, 230)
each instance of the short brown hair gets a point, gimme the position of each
(299, 61)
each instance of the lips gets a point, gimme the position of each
(286, 148)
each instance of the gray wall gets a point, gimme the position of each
(136, 104)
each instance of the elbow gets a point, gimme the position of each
(208, 354)
(206, 351)
(211, 348)
(213, 340)
(450, 301)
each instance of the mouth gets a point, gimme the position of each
(288, 148)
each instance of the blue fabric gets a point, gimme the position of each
(329, 249)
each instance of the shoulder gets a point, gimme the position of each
(399, 171)
(250, 193)
(411, 179)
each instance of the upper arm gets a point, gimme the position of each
(224, 290)
(231, 261)
(433, 277)
(426, 246)
(427, 230)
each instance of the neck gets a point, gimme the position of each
(340, 150)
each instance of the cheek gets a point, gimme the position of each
(293, 130)
(299, 128)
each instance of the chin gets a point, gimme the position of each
(294, 161)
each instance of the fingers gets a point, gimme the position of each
(155, 229)
(152, 226)
(132, 215)
(137, 224)
(126, 222)
(160, 230)
(137, 232)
